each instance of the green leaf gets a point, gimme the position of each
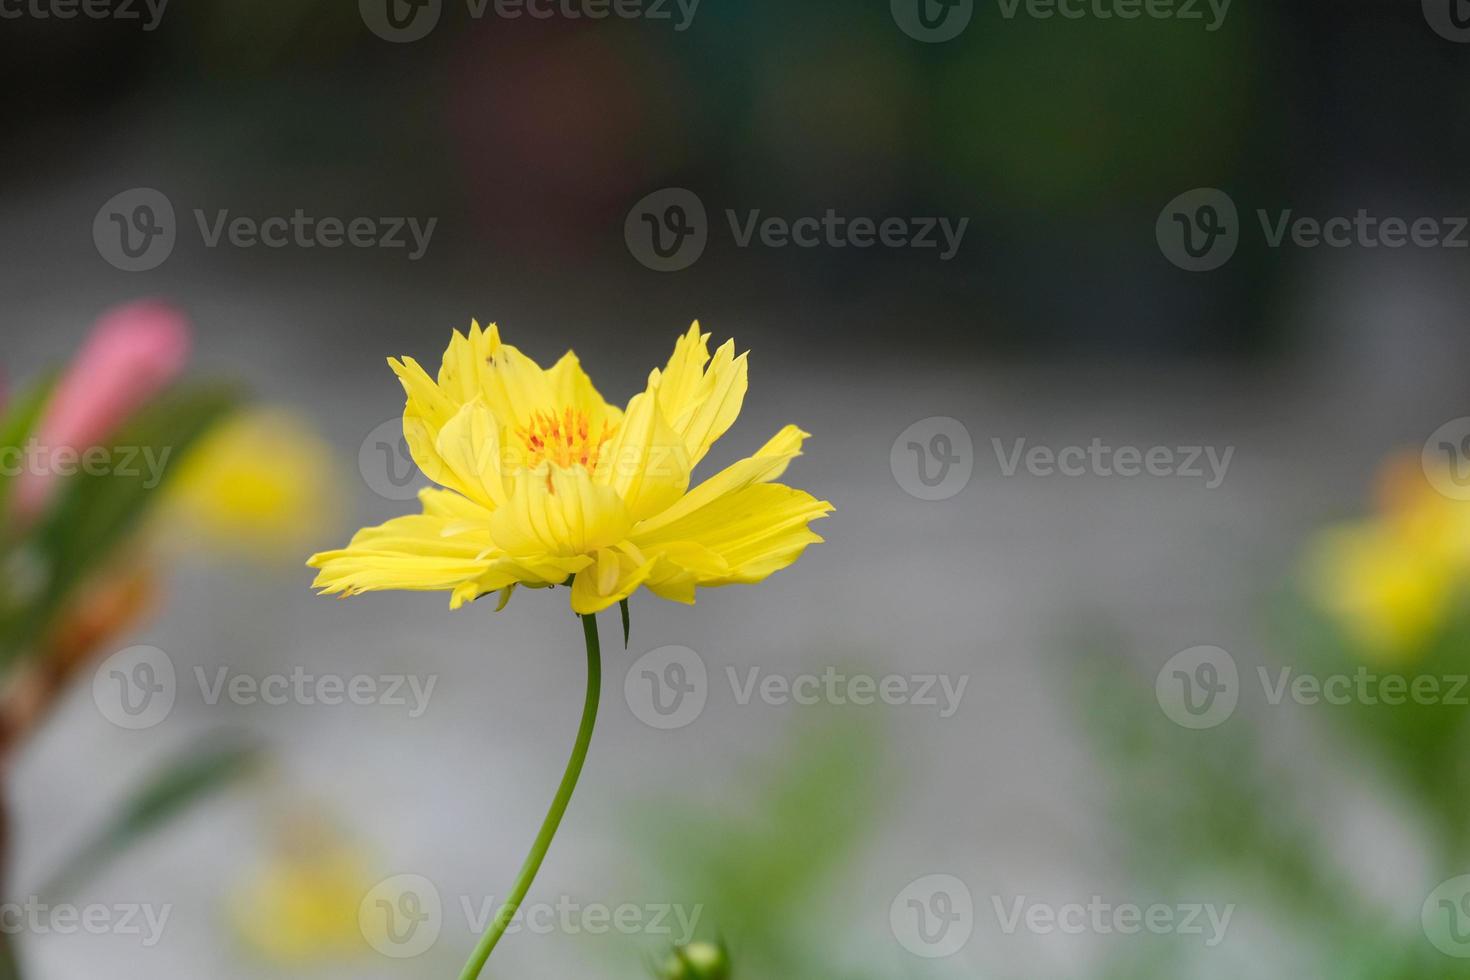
(17, 424)
(176, 786)
(94, 512)
(623, 607)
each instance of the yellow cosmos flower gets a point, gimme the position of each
(1391, 581)
(545, 483)
(258, 484)
(300, 907)
(1387, 591)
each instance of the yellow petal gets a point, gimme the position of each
(513, 386)
(412, 552)
(615, 576)
(571, 387)
(768, 463)
(645, 461)
(555, 511)
(424, 414)
(463, 365)
(680, 379)
(716, 404)
(681, 565)
(756, 530)
(469, 445)
(700, 396)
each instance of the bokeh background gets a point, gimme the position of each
(1059, 320)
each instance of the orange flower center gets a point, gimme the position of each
(565, 439)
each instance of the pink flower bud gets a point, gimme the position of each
(134, 352)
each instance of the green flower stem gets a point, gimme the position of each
(553, 817)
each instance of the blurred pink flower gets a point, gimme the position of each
(134, 351)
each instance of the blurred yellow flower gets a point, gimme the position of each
(546, 483)
(1386, 590)
(301, 905)
(1389, 580)
(258, 484)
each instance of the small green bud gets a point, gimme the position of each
(697, 961)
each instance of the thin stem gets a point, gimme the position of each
(553, 817)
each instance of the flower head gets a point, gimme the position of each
(697, 961)
(1390, 581)
(545, 483)
(256, 485)
(133, 353)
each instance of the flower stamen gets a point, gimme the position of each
(565, 439)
